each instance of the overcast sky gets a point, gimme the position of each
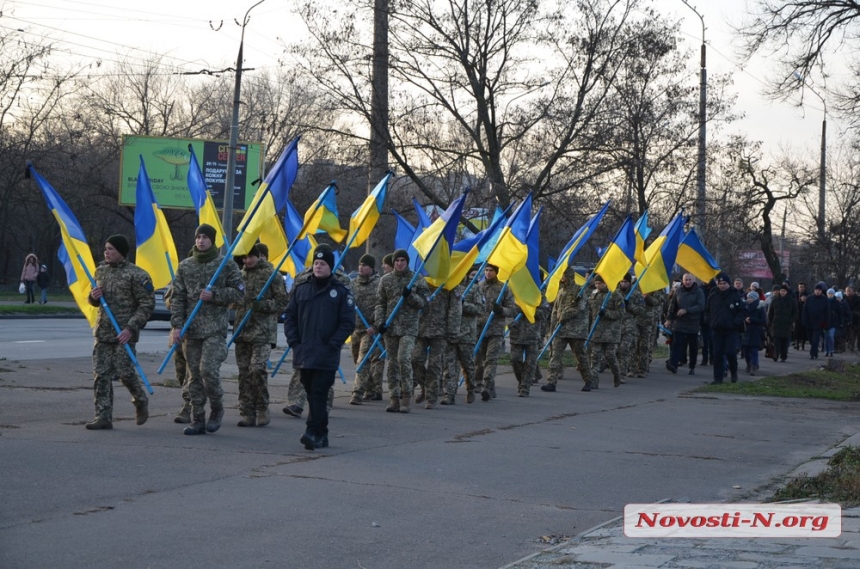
(180, 29)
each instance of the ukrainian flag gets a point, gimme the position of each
(570, 250)
(642, 232)
(525, 281)
(321, 217)
(74, 251)
(617, 258)
(423, 223)
(436, 243)
(467, 252)
(202, 199)
(404, 237)
(693, 256)
(272, 195)
(511, 250)
(301, 251)
(364, 219)
(660, 257)
(156, 251)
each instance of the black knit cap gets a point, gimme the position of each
(627, 277)
(323, 252)
(254, 251)
(400, 254)
(388, 260)
(493, 267)
(598, 278)
(368, 260)
(120, 243)
(207, 230)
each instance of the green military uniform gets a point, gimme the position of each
(368, 381)
(491, 345)
(204, 342)
(525, 344)
(255, 341)
(603, 345)
(634, 308)
(462, 347)
(128, 292)
(647, 327)
(571, 311)
(440, 320)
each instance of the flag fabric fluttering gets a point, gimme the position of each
(202, 199)
(74, 251)
(322, 216)
(300, 253)
(525, 281)
(436, 243)
(642, 232)
(364, 219)
(568, 253)
(156, 250)
(617, 258)
(693, 256)
(468, 252)
(404, 238)
(511, 249)
(660, 257)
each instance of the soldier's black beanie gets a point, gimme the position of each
(627, 277)
(207, 230)
(324, 253)
(368, 260)
(493, 267)
(263, 249)
(598, 278)
(120, 243)
(254, 251)
(388, 260)
(400, 254)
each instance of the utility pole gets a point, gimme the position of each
(378, 103)
(822, 167)
(703, 99)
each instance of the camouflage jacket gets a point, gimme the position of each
(635, 307)
(262, 326)
(472, 308)
(653, 307)
(441, 317)
(405, 322)
(129, 294)
(524, 332)
(609, 326)
(191, 279)
(489, 294)
(571, 311)
(365, 289)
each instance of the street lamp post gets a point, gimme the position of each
(229, 185)
(703, 99)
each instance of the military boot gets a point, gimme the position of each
(470, 397)
(420, 398)
(197, 426)
(405, 403)
(141, 412)
(247, 421)
(393, 405)
(215, 419)
(98, 424)
(448, 400)
(184, 415)
(263, 418)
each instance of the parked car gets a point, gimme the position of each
(161, 312)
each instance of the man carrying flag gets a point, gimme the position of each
(570, 310)
(462, 346)
(128, 290)
(488, 354)
(603, 345)
(368, 381)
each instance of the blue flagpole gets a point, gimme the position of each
(280, 362)
(342, 378)
(490, 319)
(549, 342)
(596, 320)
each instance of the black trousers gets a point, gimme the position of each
(781, 347)
(317, 382)
(726, 344)
(684, 343)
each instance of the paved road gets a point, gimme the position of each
(469, 486)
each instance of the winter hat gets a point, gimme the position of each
(493, 267)
(323, 252)
(254, 251)
(44, 267)
(368, 260)
(207, 230)
(752, 295)
(400, 254)
(263, 249)
(120, 243)
(627, 277)
(723, 277)
(598, 278)
(821, 285)
(785, 287)
(831, 291)
(754, 285)
(839, 294)
(388, 260)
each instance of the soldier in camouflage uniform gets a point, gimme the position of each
(571, 311)
(607, 332)
(255, 341)
(440, 323)
(647, 325)
(634, 308)
(204, 342)
(181, 368)
(491, 345)
(462, 348)
(127, 290)
(525, 345)
(400, 334)
(368, 381)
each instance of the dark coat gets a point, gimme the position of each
(782, 315)
(816, 312)
(318, 322)
(754, 328)
(693, 301)
(726, 310)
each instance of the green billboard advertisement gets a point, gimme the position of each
(167, 161)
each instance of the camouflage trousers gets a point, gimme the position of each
(644, 348)
(205, 357)
(253, 377)
(485, 362)
(296, 394)
(556, 360)
(461, 356)
(110, 360)
(603, 352)
(181, 367)
(427, 367)
(523, 360)
(368, 381)
(627, 351)
(399, 350)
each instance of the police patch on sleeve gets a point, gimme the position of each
(333, 293)
(241, 287)
(350, 301)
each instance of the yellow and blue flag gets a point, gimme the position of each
(436, 243)
(322, 216)
(617, 258)
(642, 232)
(202, 199)
(156, 250)
(404, 237)
(364, 219)
(467, 252)
(693, 256)
(74, 251)
(301, 252)
(263, 222)
(511, 250)
(568, 253)
(525, 282)
(660, 257)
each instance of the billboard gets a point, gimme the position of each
(752, 264)
(167, 162)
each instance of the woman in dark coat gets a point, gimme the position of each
(781, 317)
(754, 325)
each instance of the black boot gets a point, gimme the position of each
(197, 426)
(311, 441)
(215, 419)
